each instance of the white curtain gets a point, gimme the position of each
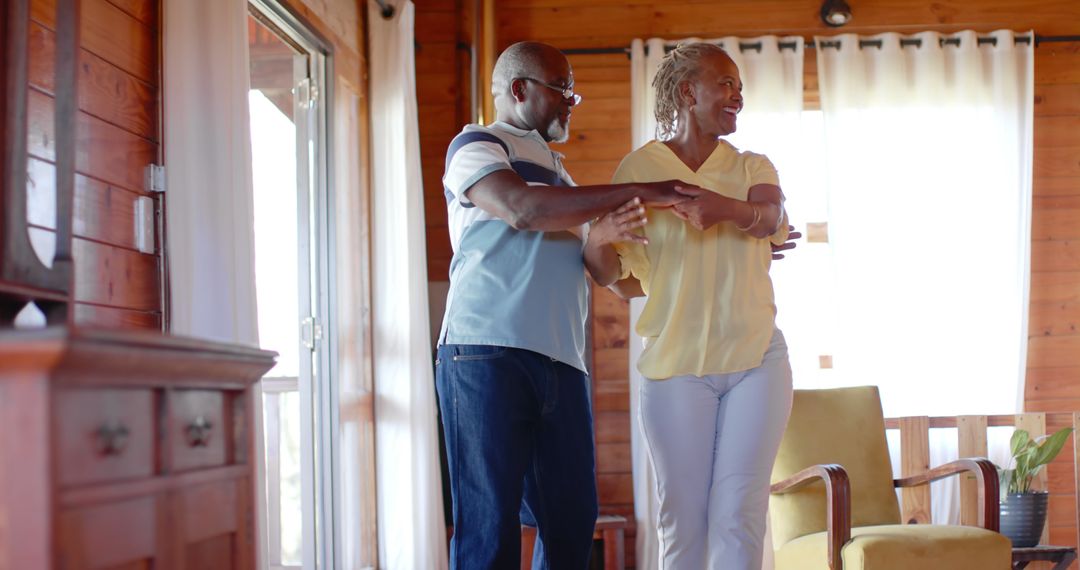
(412, 532)
(349, 211)
(209, 205)
(928, 168)
(928, 161)
(772, 72)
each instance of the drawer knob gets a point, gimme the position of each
(112, 438)
(198, 432)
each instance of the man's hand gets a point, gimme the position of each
(668, 193)
(619, 225)
(789, 244)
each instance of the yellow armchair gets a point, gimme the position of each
(834, 503)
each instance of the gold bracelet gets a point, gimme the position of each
(757, 218)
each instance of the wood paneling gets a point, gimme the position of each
(102, 212)
(612, 427)
(1053, 352)
(105, 91)
(116, 136)
(1049, 319)
(144, 11)
(116, 277)
(1057, 162)
(610, 364)
(112, 34)
(565, 23)
(438, 92)
(1054, 223)
(611, 395)
(613, 458)
(1057, 131)
(105, 151)
(1052, 383)
(1055, 100)
(1054, 345)
(615, 488)
(1058, 255)
(98, 316)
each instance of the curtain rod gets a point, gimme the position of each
(756, 46)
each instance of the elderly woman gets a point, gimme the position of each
(718, 390)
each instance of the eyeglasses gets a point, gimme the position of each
(567, 92)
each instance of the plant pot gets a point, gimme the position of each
(1023, 516)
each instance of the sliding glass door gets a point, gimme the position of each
(292, 229)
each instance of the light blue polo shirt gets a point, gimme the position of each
(520, 289)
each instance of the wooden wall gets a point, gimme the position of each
(443, 32)
(118, 134)
(600, 136)
(1053, 373)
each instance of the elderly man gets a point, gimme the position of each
(510, 370)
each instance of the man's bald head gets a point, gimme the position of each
(525, 59)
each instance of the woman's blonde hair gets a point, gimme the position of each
(680, 64)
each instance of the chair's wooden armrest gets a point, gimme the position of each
(838, 496)
(985, 474)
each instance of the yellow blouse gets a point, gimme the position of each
(710, 306)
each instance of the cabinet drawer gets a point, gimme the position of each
(197, 432)
(127, 534)
(105, 435)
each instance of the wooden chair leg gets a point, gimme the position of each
(1066, 561)
(528, 543)
(614, 553)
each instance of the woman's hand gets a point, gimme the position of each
(706, 210)
(789, 244)
(619, 225)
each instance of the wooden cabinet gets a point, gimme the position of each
(126, 451)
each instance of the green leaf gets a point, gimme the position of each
(1008, 481)
(1024, 459)
(1020, 439)
(1051, 446)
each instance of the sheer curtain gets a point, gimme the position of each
(210, 211)
(928, 164)
(353, 294)
(412, 532)
(928, 146)
(772, 72)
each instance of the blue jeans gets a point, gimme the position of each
(519, 442)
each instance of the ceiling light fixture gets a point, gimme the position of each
(835, 13)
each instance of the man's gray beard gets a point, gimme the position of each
(557, 132)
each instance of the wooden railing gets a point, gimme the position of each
(972, 442)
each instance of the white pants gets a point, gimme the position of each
(713, 441)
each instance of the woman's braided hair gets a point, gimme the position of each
(680, 64)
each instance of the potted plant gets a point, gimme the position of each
(1023, 511)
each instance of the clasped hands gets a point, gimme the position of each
(699, 207)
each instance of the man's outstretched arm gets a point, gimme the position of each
(507, 196)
